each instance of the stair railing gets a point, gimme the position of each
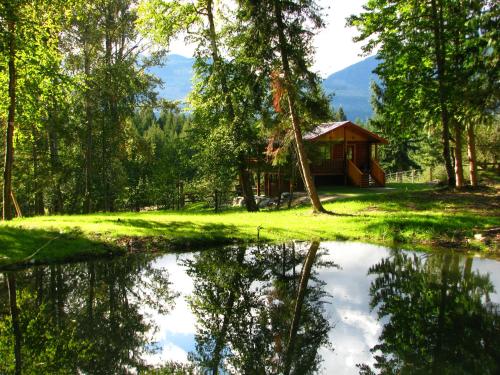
(355, 175)
(377, 172)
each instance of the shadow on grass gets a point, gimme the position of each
(19, 246)
(404, 228)
(182, 229)
(484, 200)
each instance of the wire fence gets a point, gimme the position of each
(411, 176)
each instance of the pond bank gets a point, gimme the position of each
(416, 219)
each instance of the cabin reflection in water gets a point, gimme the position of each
(251, 310)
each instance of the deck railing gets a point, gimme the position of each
(355, 175)
(377, 173)
(334, 166)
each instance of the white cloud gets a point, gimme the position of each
(169, 352)
(180, 319)
(180, 47)
(356, 327)
(366, 323)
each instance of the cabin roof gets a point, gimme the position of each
(328, 127)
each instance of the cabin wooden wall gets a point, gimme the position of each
(338, 135)
(338, 151)
(353, 137)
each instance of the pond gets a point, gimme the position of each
(298, 308)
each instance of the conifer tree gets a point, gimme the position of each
(278, 37)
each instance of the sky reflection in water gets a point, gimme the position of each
(362, 308)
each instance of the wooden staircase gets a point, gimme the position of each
(357, 177)
(365, 180)
(376, 176)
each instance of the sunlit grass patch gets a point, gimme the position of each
(400, 216)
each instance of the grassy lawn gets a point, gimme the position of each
(409, 215)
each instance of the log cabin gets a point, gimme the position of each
(340, 153)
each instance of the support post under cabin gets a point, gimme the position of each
(345, 157)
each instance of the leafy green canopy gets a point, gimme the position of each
(438, 68)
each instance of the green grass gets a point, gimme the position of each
(413, 215)
(22, 245)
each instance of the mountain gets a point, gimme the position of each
(350, 86)
(176, 75)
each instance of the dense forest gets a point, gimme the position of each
(85, 131)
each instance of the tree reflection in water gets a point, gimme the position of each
(80, 318)
(256, 313)
(258, 310)
(438, 313)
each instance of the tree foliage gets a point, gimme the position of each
(439, 70)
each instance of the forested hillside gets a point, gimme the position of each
(350, 86)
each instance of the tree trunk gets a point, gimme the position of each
(244, 176)
(301, 153)
(278, 203)
(258, 180)
(53, 294)
(216, 201)
(292, 182)
(440, 63)
(14, 314)
(182, 196)
(437, 352)
(471, 152)
(87, 205)
(246, 188)
(304, 279)
(109, 120)
(55, 165)
(39, 204)
(459, 170)
(9, 138)
(91, 294)
(228, 312)
(59, 297)
(39, 274)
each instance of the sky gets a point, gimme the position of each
(335, 49)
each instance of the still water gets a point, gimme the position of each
(329, 308)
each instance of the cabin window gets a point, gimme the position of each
(373, 149)
(324, 152)
(350, 152)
